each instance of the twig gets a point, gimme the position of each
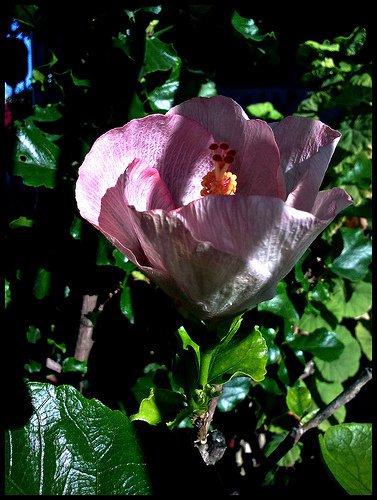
(297, 432)
(85, 342)
(212, 445)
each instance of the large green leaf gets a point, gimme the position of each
(246, 356)
(360, 301)
(347, 451)
(353, 262)
(322, 343)
(347, 365)
(36, 156)
(73, 446)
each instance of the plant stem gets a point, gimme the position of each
(205, 364)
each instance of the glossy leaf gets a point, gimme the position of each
(299, 399)
(347, 364)
(322, 343)
(36, 156)
(159, 56)
(353, 262)
(162, 405)
(247, 28)
(347, 452)
(233, 393)
(246, 356)
(73, 446)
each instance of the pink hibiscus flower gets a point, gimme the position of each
(214, 207)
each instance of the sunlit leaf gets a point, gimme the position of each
(162, 405)
(347, 364)
(347, 452)
(73, 446)
(241, 356)
(364, 337)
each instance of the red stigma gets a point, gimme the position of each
(213, 146)
(217, 158)
(223, 145)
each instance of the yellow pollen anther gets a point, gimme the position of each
(220, 180)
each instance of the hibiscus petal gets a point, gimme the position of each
(306, 147)
(330, 202)
(145, 190)
(222, 255)
(257, 161)
(176, 146)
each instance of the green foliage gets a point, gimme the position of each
(73, 446)
(299, 399)
(347, 451)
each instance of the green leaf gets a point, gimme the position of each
(159, 56)
(356, 134)
(162, 405)
(348, 362)
(353, 43)
(360, 301)
(357, 171)
(274, 353)
(126, 304)
(289, 459)
(42, 284)
(7, 293)
(328, 391)
(61, 347)
(353, 262)
(263, 111)
(347, 452)
(33, 366)
(36, 156)
(280, 305)
(365, 340)
(21, 222)
(299, 399)
(207, 89)
(73, 365)
(270, 385)
(187, 341)
(233, 393)
(76, 227)
(322, 343)
(162, 98)
(121, 261)
(73, 446)
(48, 113)
(242, 356)
(105, 251)
(33, 334)
(247, 28)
